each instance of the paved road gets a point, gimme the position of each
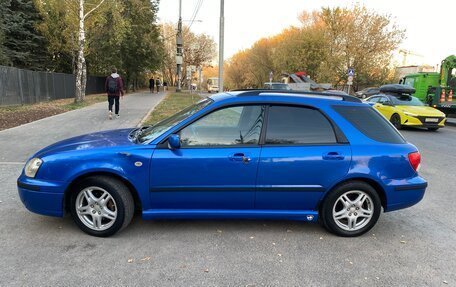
(18, 144)
(412, 247)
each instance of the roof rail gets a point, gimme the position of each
(257, 92)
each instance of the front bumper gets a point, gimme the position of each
(420, 121)
(42, 197)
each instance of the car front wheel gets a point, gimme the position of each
(352, 209)
(396, 121)
(101, 206)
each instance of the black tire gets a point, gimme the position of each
(396, 121)
(332, 201)
(433, 129)
(122, 198)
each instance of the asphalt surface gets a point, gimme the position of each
(411, 247)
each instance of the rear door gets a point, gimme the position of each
(300, 159)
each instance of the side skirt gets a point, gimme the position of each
(302, 215)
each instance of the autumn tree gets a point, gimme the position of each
(199, 50)
(362, 39)
(325, 44)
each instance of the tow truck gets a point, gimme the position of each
(436, 89)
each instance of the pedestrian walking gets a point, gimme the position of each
(158, 83)
(165, 86)
(114, 89)
(151, 85)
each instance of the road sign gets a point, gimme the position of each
(350, 79)
(351, 72)
(179, 60)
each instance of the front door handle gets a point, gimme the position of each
(240, 157)
(333, 156)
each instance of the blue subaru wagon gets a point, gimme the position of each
(246, 154)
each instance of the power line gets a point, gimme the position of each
(195, 12)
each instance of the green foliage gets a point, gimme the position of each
(59, 28)
(22, 45)
(141, 48)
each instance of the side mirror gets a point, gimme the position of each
(174, 141)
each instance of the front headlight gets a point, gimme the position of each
(410, 114)
(32, 166)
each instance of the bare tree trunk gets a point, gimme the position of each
(80, 92)
(84, 78)
(81, 68)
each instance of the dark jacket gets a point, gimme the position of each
(120, 87)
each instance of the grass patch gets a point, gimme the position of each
(171, 104)
(13, 116)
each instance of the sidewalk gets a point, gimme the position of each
(19, 143)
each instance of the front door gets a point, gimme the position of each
(300, 159)
(216, 166)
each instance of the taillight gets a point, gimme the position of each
(415, 160)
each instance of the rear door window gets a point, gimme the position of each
(370, 123)
(298, 125)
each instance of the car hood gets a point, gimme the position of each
(103, 139)
(422, 111)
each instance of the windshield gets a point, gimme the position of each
(406, 101)
(159, 128)
(213, 82)
(280, 87)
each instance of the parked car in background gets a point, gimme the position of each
(212, 85)
(367, 92)
(276, 86)
(397, 105)
(312, 157)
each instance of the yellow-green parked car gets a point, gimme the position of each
(402, 109)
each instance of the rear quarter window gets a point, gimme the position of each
(370, 123)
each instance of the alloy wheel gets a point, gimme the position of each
(353, 210)
(96, 208)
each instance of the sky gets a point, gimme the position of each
(429, 25)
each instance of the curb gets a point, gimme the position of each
(141, 122)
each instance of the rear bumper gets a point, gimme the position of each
(404, 193)
(42, 197)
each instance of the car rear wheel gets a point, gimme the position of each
(101, 206)
(396, 121)
(352, 209)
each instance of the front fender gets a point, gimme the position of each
(131, 165)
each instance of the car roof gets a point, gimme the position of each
(274, 83)
(288, 96)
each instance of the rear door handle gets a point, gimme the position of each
(240, 157)
(333, 156)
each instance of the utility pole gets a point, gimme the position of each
(179, 45)
(221, 40)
